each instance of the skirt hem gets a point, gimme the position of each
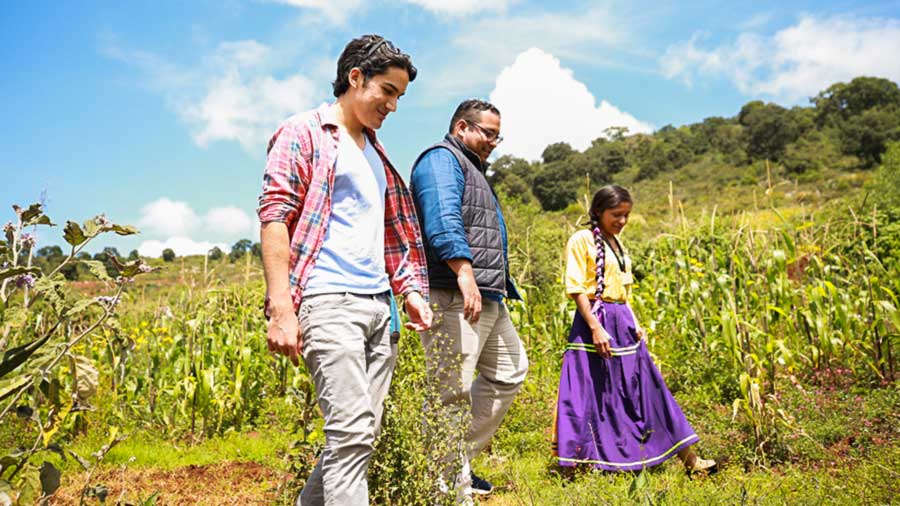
(633, 466)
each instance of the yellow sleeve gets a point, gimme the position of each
(580, 264)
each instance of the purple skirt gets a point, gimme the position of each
(615, 414)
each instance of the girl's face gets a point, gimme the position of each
(613, 220)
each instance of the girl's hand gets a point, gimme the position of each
(601, 342)
(641, 333)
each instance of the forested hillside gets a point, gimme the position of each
(846, 128)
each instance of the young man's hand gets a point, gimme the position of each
(420, 315)
(283, 335)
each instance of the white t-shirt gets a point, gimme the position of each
(352, 256)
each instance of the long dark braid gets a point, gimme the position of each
(601, 266)
(606, 198)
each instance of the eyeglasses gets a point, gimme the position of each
(492, 137)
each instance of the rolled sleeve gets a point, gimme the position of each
(437, 185)
(284, 180)
(580, 267)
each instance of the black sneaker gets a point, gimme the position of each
(481, 486)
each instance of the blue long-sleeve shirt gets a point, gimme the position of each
(438, 184)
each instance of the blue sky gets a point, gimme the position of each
(157, 113)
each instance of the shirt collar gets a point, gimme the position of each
(474, 158)
(328, 117)
(327, 114)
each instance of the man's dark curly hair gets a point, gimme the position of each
(469, 110)
(373, 54)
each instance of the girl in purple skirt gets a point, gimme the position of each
(613, 408)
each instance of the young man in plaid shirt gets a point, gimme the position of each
(339, 234)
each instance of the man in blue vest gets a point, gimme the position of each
(468, 270)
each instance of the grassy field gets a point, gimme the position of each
(771, 311)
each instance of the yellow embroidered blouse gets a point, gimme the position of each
(581, 269)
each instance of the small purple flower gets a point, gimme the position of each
(28, 240)
(101, 220)
(145, 268)
(122, 280)
(9, 227)
(25, 281)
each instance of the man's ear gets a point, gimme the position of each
(356, 78)
(459, 125)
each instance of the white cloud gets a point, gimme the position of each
(159, 74)
(796, 62)
(242, 103)
(757, 21)
(176, 225)
(166, 217)
(228, 221)
(233, 94)
(463, 7)
(180, 245)
(336, 11)
(572, 34)
(541, 103)
(595, 37)
(246, 109)
(339, 11)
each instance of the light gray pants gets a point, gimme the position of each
(455, 350)
(349, 353)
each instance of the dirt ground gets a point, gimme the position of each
(231, 483)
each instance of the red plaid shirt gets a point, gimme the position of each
(297, 191)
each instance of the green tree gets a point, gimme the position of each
(240, 249)
(168, 255)
(650, 156)
(106, 256)
(769, 128)
(682, 139)
(49, 252)
(106, 253)
(810, 153)
(215, 253)
(842, 101)
(49, 257)
(508, 165)
(556, 185)
(513, 176)
(866, 135)
(616, 133)
(612, 155)
(724, 135)
(866, 114)
(556, 152)
(514, 186)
